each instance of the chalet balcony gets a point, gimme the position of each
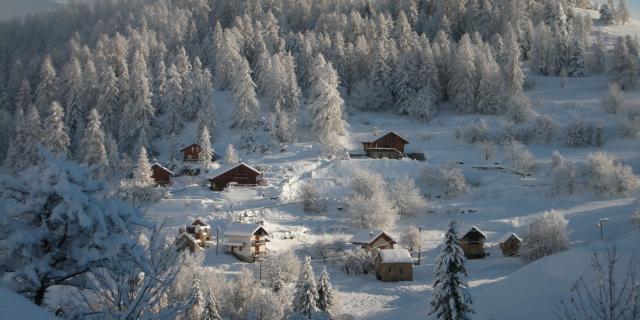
(258, 241)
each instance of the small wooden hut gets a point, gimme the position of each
(191, 153)
(240, 175)
(472, 243)
(373, 239)
(510, 244)
(394, 265)
(161, 175)
(390, 145)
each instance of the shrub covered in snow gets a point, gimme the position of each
(604, 174)
(369, 205)
(447, 180)
(613, 100)
(546, 235)
(579, 134)
(406, 197)
(518, 157)
(309, 195)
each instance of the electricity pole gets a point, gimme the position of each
(600, 225)
(419, 244)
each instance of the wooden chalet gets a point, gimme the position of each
(161, 175)
(191, 153)
(393, 265)
(187, 241)
(246, 241)
(373, 239)
(472, 243)
(510, 244)
(199, 231)
(390, 145)
(239, 175)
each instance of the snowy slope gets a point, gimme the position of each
(15, 307)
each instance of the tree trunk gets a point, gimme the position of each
(39, 298)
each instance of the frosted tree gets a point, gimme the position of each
(107, 103)
(231, 155)
(518, 156)
(206, 151)
(490, 86)
(211, 308)
(325, 104)
(546, 235)
(606, 175)
(13, 159)
(447, 180)
(47, 89)
(310, 197)
(622, 11)
(305, 298)
(139, 112)
(280, 270)
(406, 198)
(227, 59)
(197, 303)
(242, 295)
(519, 108)
(369, 205)
(424, 106)
(325, 292)
(93, 149)
(624, 65)
(513, 75)
(55, 138)
(450, 298)
(31, 137)
(142, 172)
(173, 101)
(411, 238)
(463, 78)
(598, 62)
(488, 150)
(607, 14)
(613, 101)
(73, 90)
(247, 108)
(576, 67)
(84, 225)
(23, 98)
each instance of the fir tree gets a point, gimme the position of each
(107, 103)
(211, 308)
(174, 101)
(47, 88)
(93, 149)
(142, 172)
(325, 292)
(306, 294)
(31, 132)
(74, 110)
(206, 151)
(24, 99)
(231, 155)
(55, 138)
(576, 66)
(13, 159)
(247, 108)
(463, 84)
(450, 301)
(197, 303)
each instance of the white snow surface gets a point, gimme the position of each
(397, 255)
(15, 307)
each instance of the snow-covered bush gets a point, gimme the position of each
(613, 100)
(281, 269)
(406, 197)
(546, 235)
(369, 205)
(447, 180)
(579, 134)
(604, 174)
(309, 195)
(518, 157)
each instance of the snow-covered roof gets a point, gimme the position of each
(199, 222)
(372, 138)
(224, 169)
(188, 236)
(395, 256)
(243, 229)
(228, 242)
(162, 167)
(474, 228)
(189, 146)
(507, 236)
(15, 306)
(368, 236)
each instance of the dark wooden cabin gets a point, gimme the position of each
(241, 174)
(393, 265)
(161, 175)
(390, 145)
(472, 243)
(373, 239)
(191, 153)
(510, 244)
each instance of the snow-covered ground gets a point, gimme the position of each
(502, 288)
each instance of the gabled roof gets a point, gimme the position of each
(162, 167)
(189, 146)
(243, 229)
(375, 139)
(509, 235)
(369, 236)
(241, 164)
(475, 229)
(187, 236)
(199, 222)
(395, 256)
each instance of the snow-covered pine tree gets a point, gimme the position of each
(107, 103)
(325, 292)
(598, 62)
(139, 112)
(47, 89)
(85, 227)
(513, 75)
(173, 101)
(211, 308)
(142, 172)
(576, 67)
(206, 151)
(247, 108)
(490, 86)
(55, 137)
(197, 303)
(31, 132)
(450, 298)
(93, 149)
(306, 293)
(13, 159)
(624, 65)
(463, 78)
(231, 155)
(23, 98)
(72, 94)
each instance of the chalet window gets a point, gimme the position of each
(400, 270)
(239, 248)
(389, 269)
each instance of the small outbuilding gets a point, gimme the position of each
(246, 241)
(373, 239)
(186, 240)
(240, 175)
(394, 265)
(510, 244)
(390, 145)
(191, 153)
(472, 243)
(199, 233)
(161, 175)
